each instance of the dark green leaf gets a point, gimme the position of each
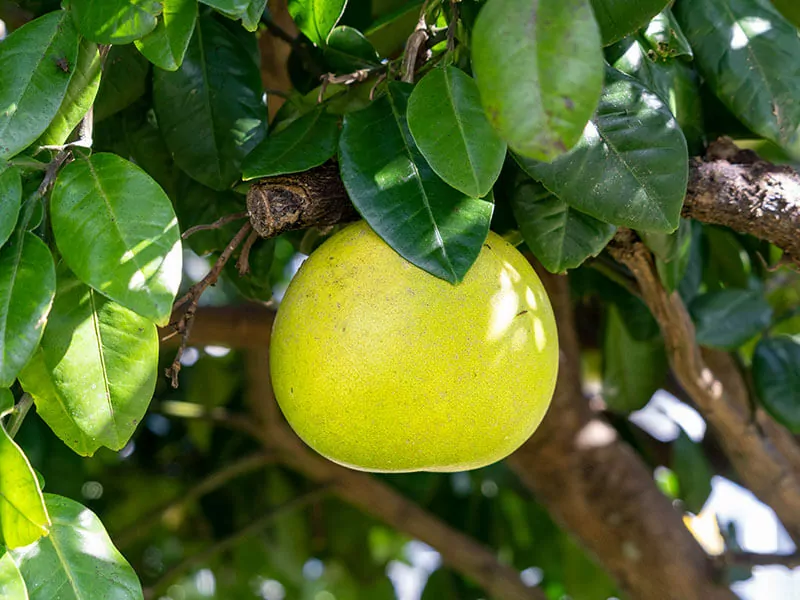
(727, 263)
(166, 46)
(256, 284)
(210, 110)
(102, 362)
(452, 132)
(10, 202)
(425, 220)
(124, 81)
(540, 95)
(316, 18)
(789, 9)
(632, 370)
(23, 517)
(348, 50)
(147, 148)
(249, 11)
(665, 36)
(747, 53)
(27, 287)
(12, 586)
(196, 204)
(694, 473)
(32, 80)
(560, 237)
(79, 98)
(631, 165)
(132, 251)
(389, 33)
(728, 318)
(6, 401)
(305, 143)
(672, 251)
(77, 560)
(618, 18)
(115, 21)
(776, 374)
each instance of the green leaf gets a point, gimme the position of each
(305, 143)
(79, 98)
(249, 11)
(166, 46)
(631, 165)
(77, 560)
(12, 586)
(672, 251)
(789, 9)
(776, 375)
(560, 237)
(694, 473)
(665, 36)
(633, 370)
(125, 80)
(747, 53)
(348, 50)
(32, 84)
(27, 287)
(210, 110)
(618, 18)
(195, 204)
(115, 21)
(452, 131)
(540, 94)
(316, 18)
(102, 363)
(10, 202)
(23, 517)
(728, 318)
(6, 402)
(257, 284)
(132, 251)
(388, 180)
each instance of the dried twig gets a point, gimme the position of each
(219, 223)
(243, 263)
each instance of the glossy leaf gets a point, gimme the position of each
(560, 237)
(23, 517)
(115, 21)
(618, 18)
(77, 560)
(102, 363)
(631, 165)
(32, 80)
(316, 18)
(347, 50)
(665, 36)
(633, 370)
(132, 251)
(10, 202)
(747, 53)
(79, 98)
(305, 143)
(694, 473)
(789, 9)
(452, 131)
(125, 80)
(672, 252)
(210, 110)
(166, 46)
(540, 95)
(776, 374)
(27, 287)
(12, 586)
(249, 11)
(388, 180)
(728, 318)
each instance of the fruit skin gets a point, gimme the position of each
(380, 366)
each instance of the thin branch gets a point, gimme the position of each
(233, 540)
(175, 507)
(18, 414)
(278, 32)
(219, 223)
(752, 441)
(243, 263)
(754, 559)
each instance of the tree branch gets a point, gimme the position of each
(716, 387)
(737, 189)
(753, 559)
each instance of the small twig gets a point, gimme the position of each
(233, 540)
(174, 507)
(184, 324)
(215, 225)
(754, 559)
(417, 42)
(18, 414)
(451, 27)
(243, 263)
(277, 31)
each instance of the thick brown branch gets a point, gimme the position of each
(735, 188)
(753, 559)
(715, 386)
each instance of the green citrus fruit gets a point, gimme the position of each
(380, 366)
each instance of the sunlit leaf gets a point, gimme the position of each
(115, 21)
(316, 18)
(10, 202)
(167, 44)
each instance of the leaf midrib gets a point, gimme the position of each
(461, 130)
(103, 367)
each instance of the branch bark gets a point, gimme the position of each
(749, 437)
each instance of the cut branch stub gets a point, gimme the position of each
(298, 201)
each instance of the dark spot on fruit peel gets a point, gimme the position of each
(487, 246)
(522, 312)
